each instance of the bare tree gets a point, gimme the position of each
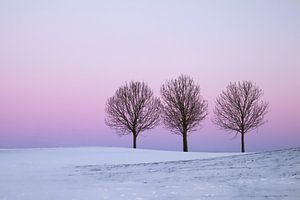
(239, 109)
(133, 109)
(183, 108)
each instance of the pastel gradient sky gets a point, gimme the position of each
(60, 60)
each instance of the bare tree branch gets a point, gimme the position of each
(239, 108)
(132, 110)
(183, 108)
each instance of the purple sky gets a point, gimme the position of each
(60, 60)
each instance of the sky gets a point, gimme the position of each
(61, 60)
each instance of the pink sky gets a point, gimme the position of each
(61, 60)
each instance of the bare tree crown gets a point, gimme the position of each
(239, 107)
(133, 109)
(182, 105)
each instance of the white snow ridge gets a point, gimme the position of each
(116, 173)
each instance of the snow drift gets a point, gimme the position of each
(117, 173)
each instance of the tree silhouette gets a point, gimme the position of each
(133, 109)
(183, 108)
(239, 109)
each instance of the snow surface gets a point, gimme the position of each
(118, 173)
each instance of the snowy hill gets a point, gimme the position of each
(118, 173)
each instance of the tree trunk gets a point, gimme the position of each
(134, 139)
(242, 142)
(185, 143)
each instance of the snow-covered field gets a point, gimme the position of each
(116, 173)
